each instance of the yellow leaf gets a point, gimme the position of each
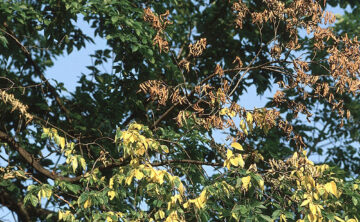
(125, 136)
(229, 154)
(40, 195)
(132, 138)
(108, 219)
(111, 182)
(245, 182)
(87, 203)
(54, 131)
(310, 181)
(295, 156)
(46, 130)
(48, 193)
(136, 126)
(305, 202)
(355, 186)
(312, 208)
(240, 160)
(351, 220)
(200, 201)
(111, 194)
(181, 188)
(243, 127)
(235, 216)
(331, 188)
(237, 146)
(60, 215)
(74, 163)
(234, 162)
(173, 217)
(186, 205)
(138, 174)
(203, 196)
(261, 184)
(160, 177)
(249, 118)
(62, 142)
(129, 179)
(283, 218)
(339, 219)
(161, 214)
(227, 164)
(223, 111)
(83, 163)
(199, 204)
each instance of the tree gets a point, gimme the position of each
(140, 143)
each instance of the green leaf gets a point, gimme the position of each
(276, 214)
(73, 187)
(266, 218)
(3, 41)
(114, 19)
(34, 200)
(134, 48)
(354, 200)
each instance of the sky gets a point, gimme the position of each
(68, 69)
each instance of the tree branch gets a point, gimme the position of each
(33, 161)
(195, 162)
(37, 69)
(25, 213)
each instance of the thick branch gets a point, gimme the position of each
(195, 162)
(122, 162)
(25, 213)
(33, 161)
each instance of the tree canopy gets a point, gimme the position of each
(141, 142)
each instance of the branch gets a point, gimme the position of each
(37, 69)
(25, 213)
(52, 175)
(33, 161)
(195, 162)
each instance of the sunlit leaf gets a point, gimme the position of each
(237, 146)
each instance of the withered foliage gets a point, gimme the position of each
(241, 9)
(16, 105)
(213, 107)
(159, 23)
(197, 48)
(156, 89)
(160, 92)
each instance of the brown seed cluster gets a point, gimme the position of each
(212, 106)
(16, 105)
(159, 23)
(197, 48)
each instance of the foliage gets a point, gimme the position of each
(141, 143)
